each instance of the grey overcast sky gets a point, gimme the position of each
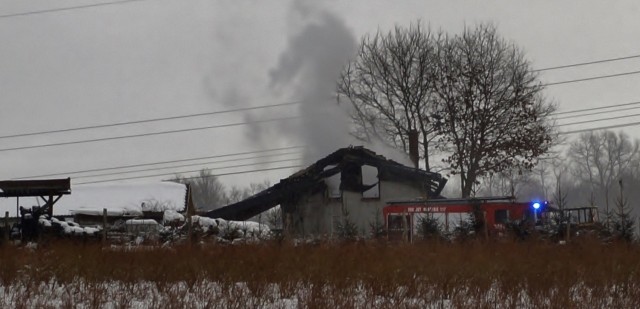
(159, 58)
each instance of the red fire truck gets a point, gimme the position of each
(495, 212)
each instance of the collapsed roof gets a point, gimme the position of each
(347, 161)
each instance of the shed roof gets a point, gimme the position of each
(118, 199)
(43, 187)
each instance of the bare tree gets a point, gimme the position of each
(236, 194)
(491, 114)
(208, 192)
(602, 158)
(255, 188)
(516, 183)
(389, 86)
(274, 218)
(541, 171)
(559, 171)
(624, 222)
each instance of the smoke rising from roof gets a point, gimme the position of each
(307, 70)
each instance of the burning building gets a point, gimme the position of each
(350, 186)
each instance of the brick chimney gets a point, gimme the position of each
(413, 148)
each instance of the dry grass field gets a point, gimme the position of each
(583, 274)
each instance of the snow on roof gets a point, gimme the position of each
(118, 199)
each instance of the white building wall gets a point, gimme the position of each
(318, 214)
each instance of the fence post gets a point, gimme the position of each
(486, 226)
(7, 233)
(190, 213)
(446, 221)
(104, 225)
(190, 228)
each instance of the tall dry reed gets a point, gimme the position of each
(474, 274)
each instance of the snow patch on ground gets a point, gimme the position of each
(244, 229)
(171, 216)
(69, 228)
(79, 293)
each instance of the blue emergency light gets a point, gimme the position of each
(536, 205)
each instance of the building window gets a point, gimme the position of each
(370, 178)
(333, 186)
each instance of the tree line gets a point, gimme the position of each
(209, 193)
(599, 168)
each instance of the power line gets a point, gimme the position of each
(186, 165)
(590, 78)
(68, 8)
(598, 113)
(586, 63)
(163, 162)
(600, 128)
(596, 108)
(596, 120)
(152, 120)
(217, 175)
(128, 1)
(150, 134)
(267, 106)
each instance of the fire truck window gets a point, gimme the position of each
(397, 223)
(502, 216)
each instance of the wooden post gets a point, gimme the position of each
(6, 226)
(386, 226)
(190, 211)
(104, 225)
(50, 209)
(446, 221)
(405, 236)
(486, 226)
(410, 231)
